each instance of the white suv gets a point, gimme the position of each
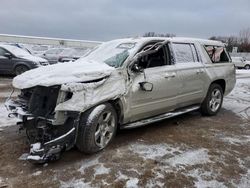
(240, 62)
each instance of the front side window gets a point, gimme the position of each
(185, 53)
(217, 54)
(155, 59)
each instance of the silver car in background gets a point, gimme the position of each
(62, 55)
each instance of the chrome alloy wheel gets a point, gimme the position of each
(105, 129)
(216, 99)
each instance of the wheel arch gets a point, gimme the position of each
(21, 64)
(220, 82)
(118, 106)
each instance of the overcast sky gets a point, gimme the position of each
(109, 19)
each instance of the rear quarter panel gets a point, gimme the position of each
(217, 71)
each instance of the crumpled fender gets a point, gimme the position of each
(86, 95)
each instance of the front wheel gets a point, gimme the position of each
(247, 67)
(97, 128)
(213, 101)
(21, 69)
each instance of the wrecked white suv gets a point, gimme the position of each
(121, 84)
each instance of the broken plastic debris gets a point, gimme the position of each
(23, 157)
(35, 147)
(34, 157)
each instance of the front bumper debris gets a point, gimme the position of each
(49, 151)
(50, 140)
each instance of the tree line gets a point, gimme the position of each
(242, 41)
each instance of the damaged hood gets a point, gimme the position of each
(71, 72)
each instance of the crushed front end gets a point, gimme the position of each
(49, 132)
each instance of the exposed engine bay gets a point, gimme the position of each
(49, 133)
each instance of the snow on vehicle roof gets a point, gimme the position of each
(15, 50)
(172, 39)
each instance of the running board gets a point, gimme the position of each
(159, 118)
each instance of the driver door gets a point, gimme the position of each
(162, 75)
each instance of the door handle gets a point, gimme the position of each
(170, 75)
(200, 71)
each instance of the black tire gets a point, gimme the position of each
(21, 69)
(247, 67)
(89, 126)
(211, 105)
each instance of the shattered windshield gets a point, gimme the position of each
(113, 53)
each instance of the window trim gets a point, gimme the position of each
(224, 49)
(193, 53)
(166, 50)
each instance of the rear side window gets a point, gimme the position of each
(185, 53)
(217, 54)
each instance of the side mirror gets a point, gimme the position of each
(146, 86)
(8, 55)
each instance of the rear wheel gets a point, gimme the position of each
(97, 128)
(247, 67)
(213, 101)
(20, 69)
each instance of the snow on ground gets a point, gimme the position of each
(243, 73)
(172, 159)
(239, 99)
(4, 119)
(200, 164)
(76, 183)
(236, 140)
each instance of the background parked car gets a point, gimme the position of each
(39, 50)
(240, 62)
(61, 55)
(16, 60)
(71, 54)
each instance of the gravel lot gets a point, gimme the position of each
(189, 150)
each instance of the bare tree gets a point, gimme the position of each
(242, 41)
(244, 38)
(153, 34)
(245, 35)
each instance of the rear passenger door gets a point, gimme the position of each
(191, 71)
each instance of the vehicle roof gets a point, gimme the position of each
(173, 39)
(7, 45)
